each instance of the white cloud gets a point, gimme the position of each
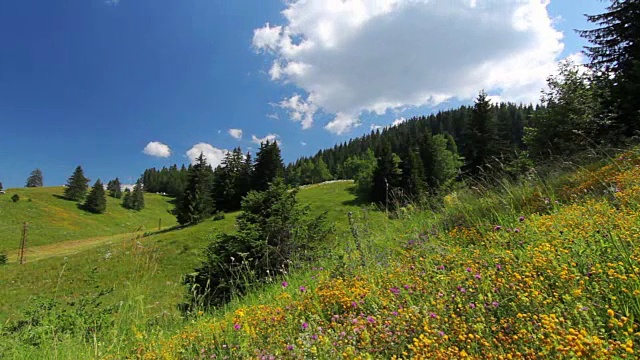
(112, 2)
(303, 143)
(236, 133)
(213, 155)
(376, 127)
(299, 110)
(273, 116)
(269, 137)
(157, 149)
(398, 121)
(360, 56)
(342, 123)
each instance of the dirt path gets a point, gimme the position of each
(67, 248)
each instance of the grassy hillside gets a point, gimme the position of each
(150, 266)
(541, 268)
(53, 219)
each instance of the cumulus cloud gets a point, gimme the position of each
(299, 110)
(236, 133)
(213, 155)
(359, 56)
(112, 2)
(342, 123)
(157, 149)
(398, 121)
(303, 143)
(269, 137)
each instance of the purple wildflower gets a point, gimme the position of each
(472, 305)
(468, 269)
(516, 230)
(303, 289)
(371, 319)
(395, 290)
(441, 267)
(433, 316)
(499, 267)
(305, 326)
(477, 276)
(285, 284)
(237, 326)
(497, 227)
(521, 219)
(441, 333)
(495, 304)
(289, 347)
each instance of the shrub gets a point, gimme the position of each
(219, 215)
(15, 198)
(3, 258)
(273, 232)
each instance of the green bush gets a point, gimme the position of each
(3, 258)
(274, 233)
(15, 198)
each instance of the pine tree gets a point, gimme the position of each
(413, 179)
(137, 196)
(115, 188)
(268, 166)
(35, 179)
(567, 122)
(126, 201)
(387, 176)
(195, 204)
(481, 135)
(96, 201)
(77, 185)
(615, 50)
(1, 188)
(320, 172)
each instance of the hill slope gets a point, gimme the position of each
(150, 266)
(53, 219)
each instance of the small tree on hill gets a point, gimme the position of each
(271, 230)
(115, 188)
(96, 201)
(35, 179)
(15, 198)
(77, 185)
(137, 196)
(1, 186)
(126, 201)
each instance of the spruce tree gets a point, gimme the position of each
(137, 196)
(195, 203)
(413, 179)
(96, 201)
(320, 172)
(77, 185)
(35, 179)
(387, 176)
(1, 188)
(615, 55)
(481, 135)
(115, 188)
(268, 167)
(126, 201)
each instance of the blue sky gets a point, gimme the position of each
(91, 83)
